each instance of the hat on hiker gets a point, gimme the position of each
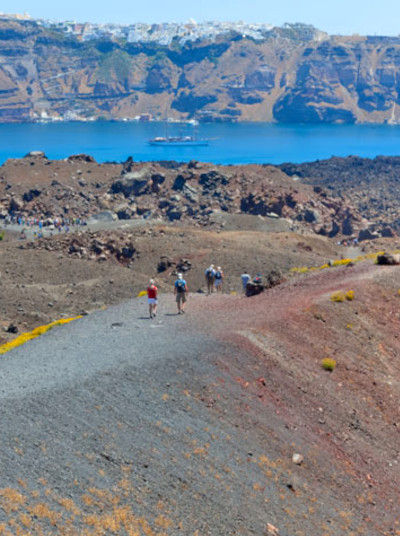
(180, 276)
(151, 281)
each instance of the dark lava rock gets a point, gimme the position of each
(273, 278)
(366, 234)
(253, 289)
(81, 158)
(29, 196)
(164, 264)
(388, 259)
(179, 183)
(134, 183)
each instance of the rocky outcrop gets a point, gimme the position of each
(371, 184)
(98, 246)
(194, 192)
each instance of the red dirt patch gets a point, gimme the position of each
(346, 422)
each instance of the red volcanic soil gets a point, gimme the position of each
(345, 423)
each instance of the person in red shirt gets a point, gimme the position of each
(152, 291)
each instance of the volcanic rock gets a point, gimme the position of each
(81, 158)
(388, 259)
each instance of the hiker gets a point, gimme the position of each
(257, 280)
(210, 277)
(245, 277)
(218, 279)
(180, 291)
(152, 291)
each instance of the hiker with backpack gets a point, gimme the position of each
(152, 291)
(210, 277)
(180, 291)
(218, 279)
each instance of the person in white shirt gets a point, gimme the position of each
(245, 277)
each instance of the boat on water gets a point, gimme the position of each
(179, 141)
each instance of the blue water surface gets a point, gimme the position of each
(229, 143)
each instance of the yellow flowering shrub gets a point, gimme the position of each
(338, 262)
(342, 262)
(40, 330)
(338, 296)
(350, 295)
(328, 364)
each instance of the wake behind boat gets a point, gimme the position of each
(179, 141)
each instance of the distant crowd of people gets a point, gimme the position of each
(37, 225)
(214, 278)
(32, 221)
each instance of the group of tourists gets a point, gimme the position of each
(60, 224)
(180, 292)
(34, 221)
(214, 278)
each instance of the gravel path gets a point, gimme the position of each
(117, 424)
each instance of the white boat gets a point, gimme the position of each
(179, 141)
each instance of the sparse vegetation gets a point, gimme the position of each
(338, 262)
(338, 296)
(40, 330)
(328, 364)
(1, 236)
(115, 63)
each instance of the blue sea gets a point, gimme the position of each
(229, 143)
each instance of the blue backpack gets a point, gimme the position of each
(180, 285)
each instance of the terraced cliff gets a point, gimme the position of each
(287, 77)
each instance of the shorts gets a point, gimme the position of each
(152, 301)
(181, 297)
(218, 282)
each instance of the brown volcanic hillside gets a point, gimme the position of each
(291, 76)
(196, 192)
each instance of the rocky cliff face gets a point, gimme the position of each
(287, 77)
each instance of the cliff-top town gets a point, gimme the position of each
(163, 33)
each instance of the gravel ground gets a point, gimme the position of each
(117, 424)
